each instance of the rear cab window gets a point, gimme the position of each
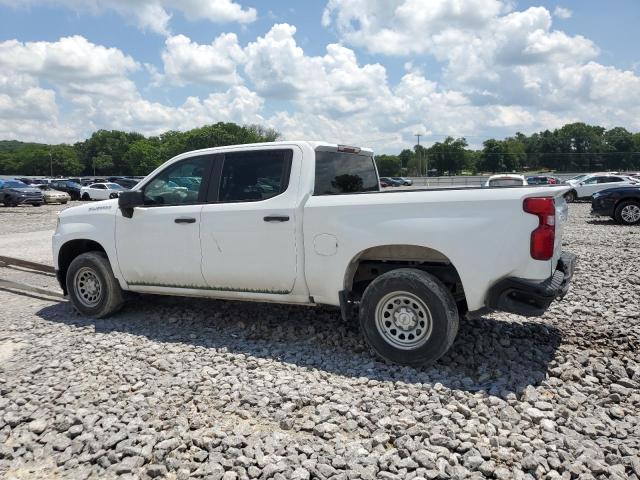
(343, 173)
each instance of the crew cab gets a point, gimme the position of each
(307, 223)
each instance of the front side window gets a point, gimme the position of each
(593, 180)
(178, 184)
(254, 176)
(338, 173)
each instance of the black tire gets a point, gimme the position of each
(37, 204)
(571, 196)
(63, 203)
(440, 307)
(86, 197)
(93, 266)
(623, 218)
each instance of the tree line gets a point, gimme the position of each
(574, 147)
(113, 152)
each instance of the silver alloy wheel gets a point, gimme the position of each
(630, 213)
(403, 320)
(87, 286)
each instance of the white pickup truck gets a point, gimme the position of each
(307, 223)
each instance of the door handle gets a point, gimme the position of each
(185, 220)
(276, 218)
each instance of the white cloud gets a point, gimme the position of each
(188, 62)
(504, 70)
(154, 15)
(562, 13)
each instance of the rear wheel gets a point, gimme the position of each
(570, 196)
(37, 204)
(93, 289)
(408, 317)
(628, 213)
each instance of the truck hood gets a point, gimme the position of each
(103, 206)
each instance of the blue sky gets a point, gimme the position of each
(353, 71)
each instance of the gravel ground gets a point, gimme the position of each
(183, 388)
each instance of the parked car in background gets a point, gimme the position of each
(65, 185)
(596, 183)
(543, 180)
(620, 203)
(101, 191)
(506, 180)
(407, 182)
(15, 192)
(125, 182)
(51, 195)
(391, 181)
(384, 184)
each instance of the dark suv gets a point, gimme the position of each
(15, 192)
(69, 186)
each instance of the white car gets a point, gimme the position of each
(100, 191)
(506, 180)
(306, 223)
(597, 182)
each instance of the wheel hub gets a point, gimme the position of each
(87, 287)
(403, 320)
(631, 213)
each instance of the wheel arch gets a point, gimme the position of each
(372, 262)
(70, 250)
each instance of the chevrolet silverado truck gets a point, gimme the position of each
(307, 223)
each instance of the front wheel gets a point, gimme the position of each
(93, 290)
(86, 197)
(628, 213)
(408, 317)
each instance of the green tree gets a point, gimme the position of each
(493, 156)
(102, 163)
(388, 165)
(144, 156)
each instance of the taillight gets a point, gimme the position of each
(542, 238)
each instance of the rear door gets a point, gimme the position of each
(248, 231)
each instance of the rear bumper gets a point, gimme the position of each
(529, 298)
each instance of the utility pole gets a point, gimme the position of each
(50, 164)
(419, 152)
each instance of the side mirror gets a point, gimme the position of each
(128, 200)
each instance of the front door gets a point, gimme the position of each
(160, 244)
(248, 236)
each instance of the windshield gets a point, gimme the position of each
(114, 186)
(578, 177)
(14, 184)
(505, 182)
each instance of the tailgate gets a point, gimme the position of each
(562, 215)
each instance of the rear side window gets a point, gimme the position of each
(338, 173)
(254, 176)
